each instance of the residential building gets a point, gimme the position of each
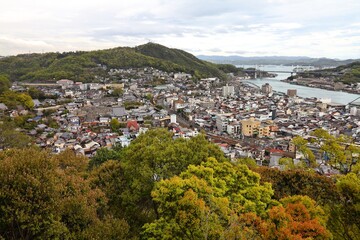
(228, 91)
(292, 92)
(266, 89)
(65, 83)
(221, 122)
(233, 128)
(250, 127)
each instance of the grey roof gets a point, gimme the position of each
(119, 112)
(3, 106)
(36, 102)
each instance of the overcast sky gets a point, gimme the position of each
(315, 28)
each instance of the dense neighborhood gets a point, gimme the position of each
(243, 119)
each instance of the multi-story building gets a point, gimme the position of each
(249, 127)
(292, 92)
(266, 89)
(263, 131)
(252, 127)
(233, 128)
(228, 91)
(221, 122)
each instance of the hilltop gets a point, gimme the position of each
(86, 65)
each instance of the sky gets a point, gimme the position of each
(314, 28)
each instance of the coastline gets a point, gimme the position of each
(320, 87)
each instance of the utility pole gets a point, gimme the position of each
(255, 71)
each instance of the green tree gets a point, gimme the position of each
(301, 146)
(344, 214)
(340, 152)
(151, 157)
(149, 96)
(251, 163)
(36, 93)
(289, 164)
(199, 204)
(12, 138)
(299, 182)
(224, 201)
(12, 99)
(110, 229)
(29, 196)
(117, 92)
(44, 196)
(5, 83)
(114, 124)
(109, 177)
(104, 154)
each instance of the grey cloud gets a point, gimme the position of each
(204, 24)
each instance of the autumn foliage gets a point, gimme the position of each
(162, 188)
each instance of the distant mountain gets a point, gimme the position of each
(85, 65)
(277, 60)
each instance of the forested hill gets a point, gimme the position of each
(181, 58)
(84, 66)
(349, 73)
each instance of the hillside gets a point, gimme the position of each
(179, 57)
(349, 73)
(84, 66)
(323, 62)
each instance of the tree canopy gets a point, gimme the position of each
(151, 157)
(87, 66)
(45, 196)
(222, 201)
(13, 99)
(160, 187)
(10, 137)
(5, 83)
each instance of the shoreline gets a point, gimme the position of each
(319, 87)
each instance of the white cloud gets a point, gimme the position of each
(272, 27)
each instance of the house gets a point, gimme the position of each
(104, 120)
(179, 104)
(234, 128)
(132, 125)
(119, 112)
(123, 140)
(65, 83)
(3, 108)
(37, 103)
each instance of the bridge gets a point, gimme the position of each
(269, 71)
(253, 85)
(258, 70)
(354, 103)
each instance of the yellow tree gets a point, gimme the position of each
(201, 202)
(340, 152)
(302, 146)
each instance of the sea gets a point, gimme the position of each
(302, 91)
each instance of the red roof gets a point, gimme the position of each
(132, 124)
(274, 150)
